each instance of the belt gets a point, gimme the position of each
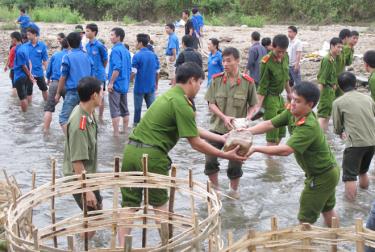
(140, 144)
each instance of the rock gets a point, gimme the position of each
(242, 138)
(225, 39)
(243, 26)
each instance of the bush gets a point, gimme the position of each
(56, 15)
(214, 21)
(128, 20)
(8, 14)
(9, 26)
(252, 21)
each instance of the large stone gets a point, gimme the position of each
(242, 138)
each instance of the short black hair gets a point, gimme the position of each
(23, 10)
(170, 25)
(335, 41)
(64, 43)
(194, 10)
(32, 31)
(187, 12)
(308, 90)
(354, 33)
(61, 35)
(93, 27)
(280, 41)
(231, 51)
(188, 70)
(16, 35)
(369, 58)
(266, 41)
(293, 28)
(119, 32)
(344, 33)
(347, 81)
(188, 40)
(143, 38)
(215, 42)
(255, 36)
(78, 27)
(87, 86)
(74, 39)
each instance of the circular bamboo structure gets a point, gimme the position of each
(305, 237)
(178, 231)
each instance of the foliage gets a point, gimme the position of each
(56, 15)
(8, 14)
(128, 20)
(252, 21)
(9, 26)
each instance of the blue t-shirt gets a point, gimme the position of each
(35, 27)
(21, 59)
(54, 65)
(75, 65)
(24, 21)
(37, 55)
(215, 65)
(98, 54)
(146, 65)
(197, 23)
(172, 44)
(120, 61)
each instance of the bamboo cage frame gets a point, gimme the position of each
(304, 237)
(179, 232)
(9, 190)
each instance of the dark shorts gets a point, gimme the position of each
(24, 87)
(99, 199)
(118, 104)
(51, 104)
(212, 165)
(11, 76)
(41, 82)
(356, 161)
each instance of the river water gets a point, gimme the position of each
(269, 186)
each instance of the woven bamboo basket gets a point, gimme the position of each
(178, 231)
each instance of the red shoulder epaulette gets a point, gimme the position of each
(82, 123)
(248, 78)
(301, 121)
(288, 106)
(266, 58)
(217, 75)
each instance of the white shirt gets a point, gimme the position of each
(295, 46)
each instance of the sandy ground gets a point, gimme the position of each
(313, 38)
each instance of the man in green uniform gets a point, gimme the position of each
(353, 119)
(231, 95)
(311, 150)
(274, 78)
(345, 58)
(327, 79)
(349, 48)
(81, 152)
(169, 118)
(369, 59)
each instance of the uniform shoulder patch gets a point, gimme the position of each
(266, 58)
(217, 75)
(83, 122)
(248, 78)
(301, 121)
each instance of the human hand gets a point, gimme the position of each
(110, 87)
(57, 98)
(232, 155)
(228, 122)
(296, 68)
(5, 68)
(250, 152)
(91, 199)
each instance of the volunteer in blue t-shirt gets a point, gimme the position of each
(23, 20)
(215, 60)
(171, 51)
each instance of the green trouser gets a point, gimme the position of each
(273, 105)
(158, 162)
(318, 195)
(327, 97)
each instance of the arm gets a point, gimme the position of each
(298, 60)
(114, 76)
(279, 150)
(174, 55)
(337, 120)
(207, 135)
(226, 119)
(49, 69)
(28, 73)
(261, 128)
(288, 90)
(202, 146)
(60, 87)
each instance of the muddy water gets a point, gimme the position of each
(269, 186)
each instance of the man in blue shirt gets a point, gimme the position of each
(256, 53)
(75, 65)
(53, 75)
(145, 66)
(198, 24)
(171, 51)
(23, 20)
(98, 54)
(38, 56)
(23, 79)
(119, 78)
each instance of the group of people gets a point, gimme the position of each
(78, 73)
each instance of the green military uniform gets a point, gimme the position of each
(328, 78)
(233, 99)
(273, 77)
(345, 58)
(371, 84)
(348, 54)
(81, 145)
(169, 118)
(314, 155)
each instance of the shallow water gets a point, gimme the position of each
(269, 186)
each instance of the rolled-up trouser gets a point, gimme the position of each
(171, 68)
(274, 105)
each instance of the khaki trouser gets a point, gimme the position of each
(171, 69)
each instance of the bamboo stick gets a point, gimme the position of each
(145, 203)
(128, 243)
(70, 241)
(53, 210)
(196, 231)
(172, 199)
(164, 235)
(274, 227)
(84, 204)
(36, 239)
(116, 189)
(360, 243)
(335, 225)
(230, 239)
(251, 235)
